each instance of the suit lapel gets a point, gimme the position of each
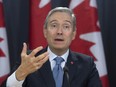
(47, 74)
(71, 64)
(72, 68)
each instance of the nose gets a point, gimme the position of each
(59, 31)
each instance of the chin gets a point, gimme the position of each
(59, 47)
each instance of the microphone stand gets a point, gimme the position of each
(67, 75)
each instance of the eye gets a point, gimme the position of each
(53, 25)
(66, 26)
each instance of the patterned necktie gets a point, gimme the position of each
(58, 72)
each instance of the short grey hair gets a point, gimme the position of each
(61, 9)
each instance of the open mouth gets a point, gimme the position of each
(59, 40)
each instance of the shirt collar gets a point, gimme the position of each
(52, 55)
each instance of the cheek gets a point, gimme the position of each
(70, 36)
(49, 35)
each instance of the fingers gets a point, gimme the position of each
(25, 57)
(44, 59)
(33, 53)
(36, 50)
(41, 62)
(24, 50)
(41, 57)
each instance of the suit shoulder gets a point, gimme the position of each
(82, 57)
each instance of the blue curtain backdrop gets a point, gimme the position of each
(17, 22)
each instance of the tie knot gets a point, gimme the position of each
(59, 60)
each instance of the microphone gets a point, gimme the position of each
(66, 70)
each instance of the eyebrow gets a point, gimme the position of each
(68, 21)
(53, 21)
(64, 20)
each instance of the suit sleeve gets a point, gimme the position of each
(93, 78)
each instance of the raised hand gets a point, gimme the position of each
(30, 63)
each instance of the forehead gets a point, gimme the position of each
(60, 16)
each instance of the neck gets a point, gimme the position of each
(58, 52)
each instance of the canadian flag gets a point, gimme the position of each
(39, 10)
(4, 55)
(88, 39)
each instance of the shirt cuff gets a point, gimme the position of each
(13, 82)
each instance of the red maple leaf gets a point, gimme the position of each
(1, 52)
(37, 17)
(87, 18)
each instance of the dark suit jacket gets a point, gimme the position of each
(82, 73)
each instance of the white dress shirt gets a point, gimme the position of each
(13, 82)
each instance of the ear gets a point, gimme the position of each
(44, 32)
(74, 35)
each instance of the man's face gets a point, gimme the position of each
(59, 32)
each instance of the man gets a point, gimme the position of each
(38, 67)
